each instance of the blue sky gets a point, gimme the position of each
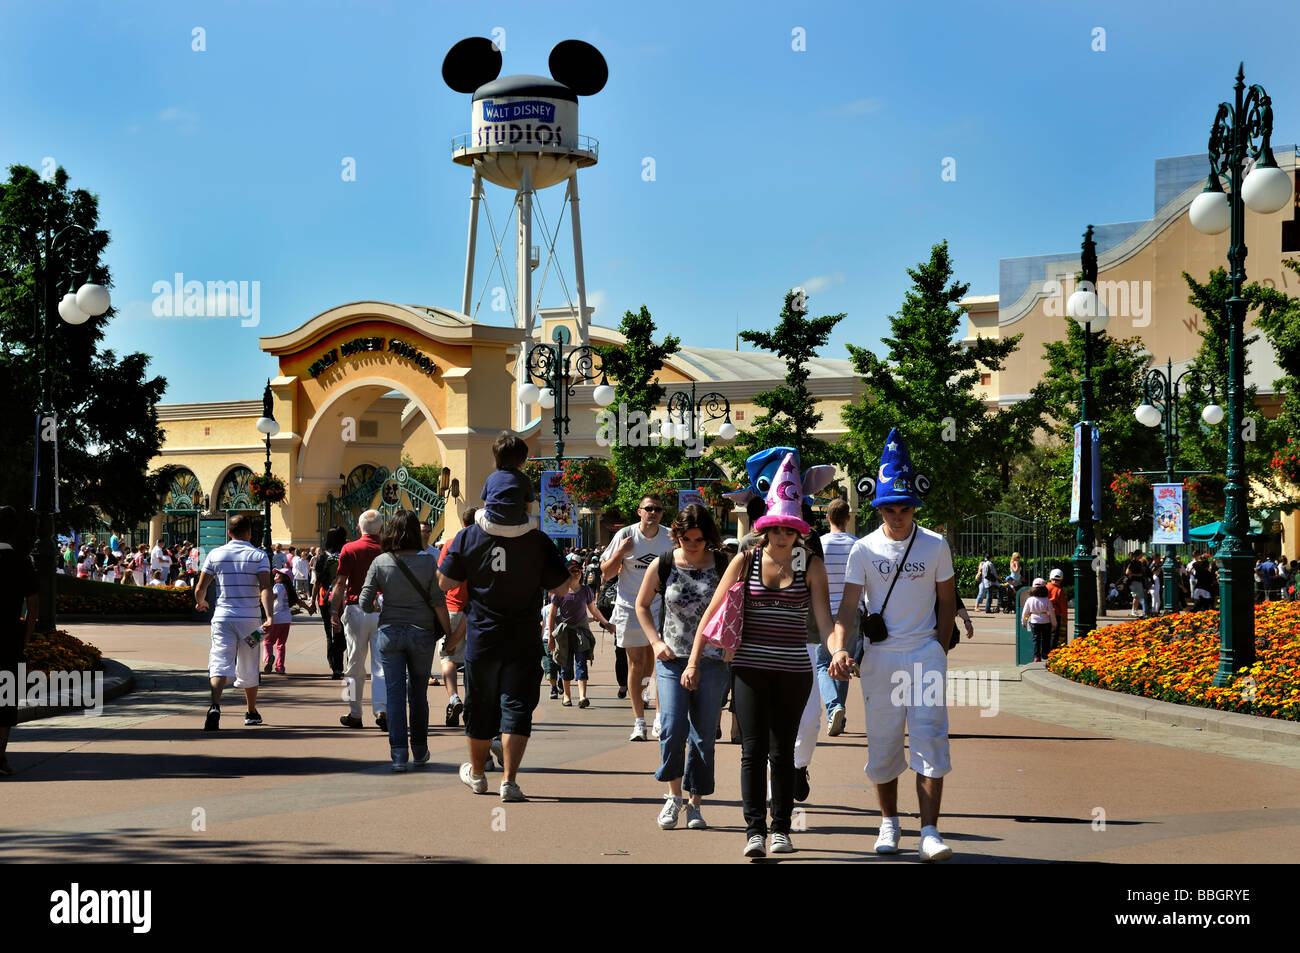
(773, 167)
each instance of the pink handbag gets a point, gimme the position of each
(724, 629)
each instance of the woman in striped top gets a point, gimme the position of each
(771, 669)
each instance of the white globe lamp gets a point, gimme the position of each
(94, 300)
(528, 393)
(1210, 212)
(1266, 190)
(69, 311)
(1212, 414)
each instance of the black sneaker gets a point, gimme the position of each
(382, 720)
(5, 769)
(622, 692)
(801, 786)
(349, 721)
(252, 717)
(555, 692)
(453, 713)
(214, 719)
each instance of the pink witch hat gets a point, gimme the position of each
(785, 499)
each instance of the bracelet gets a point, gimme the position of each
(838, 651)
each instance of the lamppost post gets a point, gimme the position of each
(74, 308)
(559, 373)
(1266, 189)
(1086, 309)
(1159, 408)
(266, 424)
(691, 416)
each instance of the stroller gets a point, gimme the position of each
(1007, 595)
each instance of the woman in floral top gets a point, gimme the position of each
(688, 717)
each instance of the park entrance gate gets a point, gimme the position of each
(397, 491)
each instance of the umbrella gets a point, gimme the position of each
(1216, 530)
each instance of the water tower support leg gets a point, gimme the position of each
(475, 194)
(579, 277)
(523, 267)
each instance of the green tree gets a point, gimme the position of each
(1279, 319)
(635, 369)
(925, 385)
(792, 413)
(108, 426)
(1126, 445)
(1202, 447)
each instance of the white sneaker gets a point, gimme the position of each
(645, 693)
(638, 731)
(887, 840)
(672, 809)
(498, 754)
(754, 847)
(654, 729)
(695, 818)
(781, 843)
(932, 845)
(477, 785)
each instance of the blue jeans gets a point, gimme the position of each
(834, 692)
(989, 589)
(406, 649)
(579, 672)
(688, 721)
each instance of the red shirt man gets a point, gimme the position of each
(1058, 599)
(360, 629)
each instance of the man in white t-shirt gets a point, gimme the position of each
(156, 556)
(628, 554)
(836, 546)
(243, 574)
(904, 677)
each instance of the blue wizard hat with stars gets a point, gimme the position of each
(897, 482)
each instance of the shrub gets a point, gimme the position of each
(87, 597)
(59, 651)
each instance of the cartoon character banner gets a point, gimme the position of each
(686, 497)
(1096, 474)
(559, 515)
(1169, 524)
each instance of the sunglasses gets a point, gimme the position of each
(652, 509)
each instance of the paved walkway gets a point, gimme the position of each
(1043, 779)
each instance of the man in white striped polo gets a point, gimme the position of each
(243, 575)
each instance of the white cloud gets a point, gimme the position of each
(858, 107)
(598, 299)
(819, 283)
(180, 118)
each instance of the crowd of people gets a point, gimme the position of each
(474, 602)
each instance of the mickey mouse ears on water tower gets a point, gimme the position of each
(476, 60)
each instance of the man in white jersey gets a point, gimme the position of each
(628, 554)
(904, 677)
(243, 576)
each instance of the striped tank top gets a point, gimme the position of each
(776, 622)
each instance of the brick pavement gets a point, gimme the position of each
(1030, 784)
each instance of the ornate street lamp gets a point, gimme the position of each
(1266, 190)
(1086, 308)
(559, 373)
(266, 425)
(691, 416)
(1160, 394)
(75, 308)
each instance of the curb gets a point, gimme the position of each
(118, 680)
(1254, 727)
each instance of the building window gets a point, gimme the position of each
(740, 414)
(369, 428)
(207, 431)
(986, 380)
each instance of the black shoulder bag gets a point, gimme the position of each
(425, 594)
(872, 626)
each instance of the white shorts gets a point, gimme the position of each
(457, 656)
(890, 701)
(627, 629)
(231, 656)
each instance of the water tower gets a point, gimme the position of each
(524, 137)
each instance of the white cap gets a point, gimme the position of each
(1057, 574)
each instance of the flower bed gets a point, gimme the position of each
(1174, 658)
(87, 597)
(59, 651)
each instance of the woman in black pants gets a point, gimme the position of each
(327, 569)
(771, 670)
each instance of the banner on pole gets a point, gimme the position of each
(1169, 520)
(687, 497)
(1096, 474)
(559, 515)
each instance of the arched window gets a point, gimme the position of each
(184, 493)
(234, 495)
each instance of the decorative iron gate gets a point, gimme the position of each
(1000, 534)
(393, 488)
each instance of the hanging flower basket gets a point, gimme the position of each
(266, 489)
(1286, 463)
(1133, 500)
(590, 482)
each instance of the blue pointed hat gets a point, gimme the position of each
(897, 482)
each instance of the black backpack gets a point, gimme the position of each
(608, 595)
